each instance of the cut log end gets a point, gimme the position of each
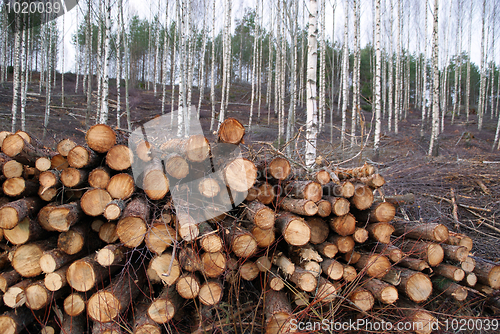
(101, 138)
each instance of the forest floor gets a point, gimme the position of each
(466, 163)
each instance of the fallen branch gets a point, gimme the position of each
(450, 201)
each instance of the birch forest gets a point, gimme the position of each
(344, 82)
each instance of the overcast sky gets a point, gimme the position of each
(145, 8)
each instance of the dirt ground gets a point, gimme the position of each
(466, 163)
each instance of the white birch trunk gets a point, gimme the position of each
(15, 80)
(398, 95)
(105, 65)
(322, 70)
(391, 68)
(24, 77)
(201, 86)
(467, 88)
(62, 64)
(456, 106)
(378, 60)
(293, 80)
(312, 63)
(434, 145)
(355, 81)
(254, 65)
(345, 74)
(48, 87)
(212, 74)
(119, 66)
(225, 62)
(166, 47)
(482, 79)
(99, 71)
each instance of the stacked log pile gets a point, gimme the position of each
(84, 236)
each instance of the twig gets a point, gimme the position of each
(483, 187)
(462, 205)
(478, 231)
(483, 221)
(454, 205)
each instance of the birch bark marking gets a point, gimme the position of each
(434, 146)
(312, 110)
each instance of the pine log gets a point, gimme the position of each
(374, 181)
(240, 174)
(26, 231)
(38, 296)
(53, 259)
(26, 259)
(159, 237)
(352, 257)
(85, 273)
(96, 224)
(252, 194)
(375, 265)
(304, 253)
(356, 173)
(274, 279)
(208, 187)
(197, 148)
(302, 207)
(231, 131)
(210, 293)
(339, 205)
(188, 286)
(94, 201)
(12, 168)
(360, 235)
(82, 157)
(303, 279)
(19, 187)
(8, 278)
(418, 230)
(382, 291)
(190, 260)
(259, 214)
(449, 271)
(164, 268)
(143, 150)
(287, 266)
(50, 178)
(64, 146)
(265, 193)
(114, 209)
(264, 238)
(487, 272)
(294, 229)
(209, 239)
(121, 186)
(362, 298)
(14, 212)
(327, 249)
(106, 305)
(15, 296)
(350, 273)
(450, 288)
(430, 252)
(423, 321)
(119, 158)
(3, 158)
(73, 178)
(187, 227)
(107, 233)
(278, 311)
(392, 277)
(56, 280)
(333, 269)
(399, 200)
(301, 299)
(47, 194)
(263, 263)
(278, 168)
(132, 227)
(415, 264)
(304, 189)
(22, 151)
(58, 162)
(319, 230)
(155, 183)
(106, 328)
(15, 321)
(455, 253)
(62, 217)
(470, 280)
(458, 239)
(74, 304)
(343, 225)
(313, 267)
(249, 271)
(380, 231)
(327, 291)
(324, 208)
(3, 135)
(468, 264)
(142, 323)
(322, 177)
(344, 244)
(415, 285)
(343, 189)
(111, 255)
(363, 197)
(392, 252)
(176, 166)
(379, 212)
(101, 138)
(99, 178)
(214, 264)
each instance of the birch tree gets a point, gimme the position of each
(467, 88)
(119, 65)
(355, 73)
(201, 86)
(434, 145)
(212, 74)
(398, 95)
(226, 59)
(345, 73)
(293, 80)
(166, 47)
(322, 70)
(62, 64)
(105, 65)
(16, 74)
(458, 45)
(482, 80)
(254, 64)
(391, 67)
(312, 63)
(378, 61)
(24, 76)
